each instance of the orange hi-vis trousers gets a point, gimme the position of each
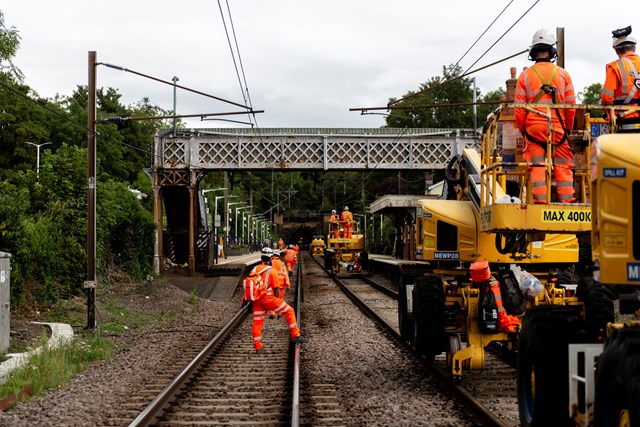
(260, 307)
(563, 165)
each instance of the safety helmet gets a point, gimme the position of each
(622, 41)
(290, 246)
(276, 252)
(544, 37)
(543, 41)
(346, 208)
(333, 211)
(266, 253)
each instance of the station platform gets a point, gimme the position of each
(388, 259)
(220, 281)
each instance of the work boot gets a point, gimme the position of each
(300, 340)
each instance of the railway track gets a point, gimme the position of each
(228, 383)
(348, 374)
(491, 393)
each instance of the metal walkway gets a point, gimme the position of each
(318, 149)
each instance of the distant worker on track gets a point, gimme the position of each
(281, 244)
(334, 226)
(546, 83)
(347, 222)
(290, 259)
(257, 290)
(622, 82)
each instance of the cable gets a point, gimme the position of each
(483, 33)
(466, 73)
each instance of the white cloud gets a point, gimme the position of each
(306, 62)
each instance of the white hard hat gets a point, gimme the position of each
(275, 252)
(333, 211)
(619, 41)
(266, 252)
(543, 36)
(346, 208)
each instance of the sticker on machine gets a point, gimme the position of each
(446, 255)
(614, 172)
(633, 271)
(566, 216)
(615, 240)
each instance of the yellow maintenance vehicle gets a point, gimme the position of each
(345, 254)
(317, 246)
(486, 212)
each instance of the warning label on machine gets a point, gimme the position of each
(574, 216)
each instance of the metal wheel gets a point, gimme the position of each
(455, 345)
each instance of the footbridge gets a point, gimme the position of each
(183, 158)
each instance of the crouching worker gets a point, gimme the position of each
(492, 316)
(257, 290)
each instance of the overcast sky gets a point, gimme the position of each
(306, 62)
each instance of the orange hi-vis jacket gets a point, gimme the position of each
(279, 266)
(254, 287)
(529, 89)
(290, 255)
(346, 216)
(620, 85)
(269, 276)
(506, 322)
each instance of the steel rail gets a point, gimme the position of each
(150, 414)
(484, 416)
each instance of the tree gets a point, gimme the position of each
(9, 45)
(448, 89)
(591, 95)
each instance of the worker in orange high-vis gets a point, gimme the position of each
(622, 82)
(281, 244)
(347, 222)
(481, 276)
(290, 259)
(546, 83)
(257, 290)
(281, 269)
(334, 224)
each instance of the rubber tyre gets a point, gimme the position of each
(429, 334)
(618, 378)
(405, 323)
(543, 364)
(598, 307)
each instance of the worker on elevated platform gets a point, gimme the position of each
(258, 288)
(334, 226)
(347, 222)
(622, 83)
(546, 83)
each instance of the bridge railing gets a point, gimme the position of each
(215, 150)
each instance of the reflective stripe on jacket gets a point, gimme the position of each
(619, 85)
(528, 88)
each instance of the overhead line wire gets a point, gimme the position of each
(467, 72)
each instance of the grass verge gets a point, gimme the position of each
(51, 368)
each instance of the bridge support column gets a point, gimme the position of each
(158, 247)
(192, 230)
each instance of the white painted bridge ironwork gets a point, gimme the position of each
(318, 149)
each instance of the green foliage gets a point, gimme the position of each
(126, 230)
(52, 368)
(448, 89)
(591, 95)
(9, 45)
